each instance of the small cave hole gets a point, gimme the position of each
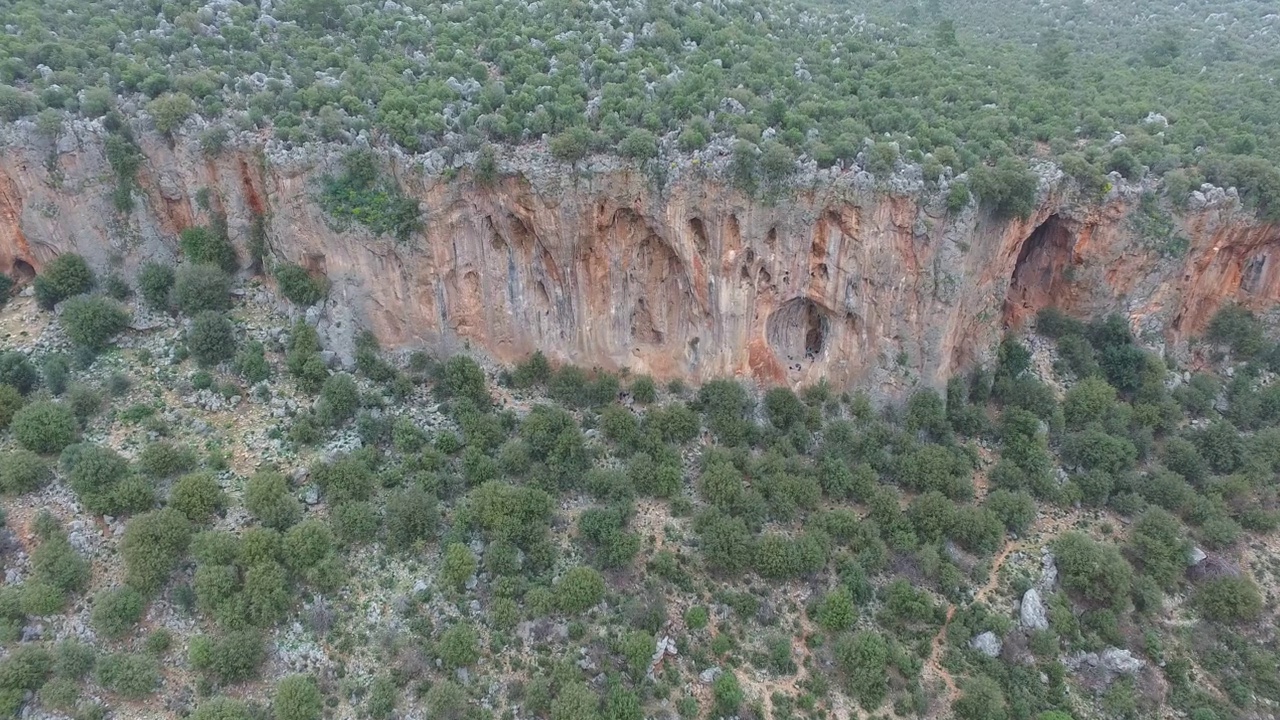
(821, 272)
(23, 272)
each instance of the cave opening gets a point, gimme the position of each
(1042, 273)
(23, 272)
(799, 330)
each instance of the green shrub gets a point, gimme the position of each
(267, 498)
(411, 516)
(1009, 187)
(164, 459)
(446, 700)
(298, 286)
(863, 658)
(17, 372)
(297, 697)
(306, 544)
(344, 480)
(211, 338)
(153, 544)
(64, 276)
(92, 321)
(1237, 327)
(56, 564)
(44, 427)
(22, 471)
(339, 399)
(231, 657)
(1158, 543)
(251, 363)
(1095, 571)
(354, 523)
(221, 708)
(643, 390)
(461, 377)
(359, 194)
(155, 281)
(727, 694)
(266, 594)
(459, 564)
(116, 611)
(580, 589)
(96, 474)
(197, 496)
(208, 246)
(10, 403)
(1229, 599)
(836, 611)
(131, 675)
(982, 699)
(197, 288)
(458, 646)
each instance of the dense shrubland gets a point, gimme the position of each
(941, 84)
(554, 512)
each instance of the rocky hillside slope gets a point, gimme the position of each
(859, 282)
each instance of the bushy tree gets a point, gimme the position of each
(1229, 599)
(339, 399)
(1094, 571)
(45, 427)
(209, 246)
(92, 321)
(297, 697)
(862, 657)
(17, 372)
(461, 377)
(65, 276)
(459, 645)
(153, 544)
(155, 282)
(231, 657)
(580, 589)
(1159, 545)
(22, 471)
(268, 499)
(197, 496)
(201, 287)
(116, 611)
(131, 675)
(299, 286)
(459, 564)
(211, 339)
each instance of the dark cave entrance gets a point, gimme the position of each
(22, 271)
(798, 330)
(1042, 272)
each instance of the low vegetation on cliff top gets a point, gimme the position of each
(215, 516)
(1184, 92)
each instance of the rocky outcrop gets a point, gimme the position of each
(601, 267)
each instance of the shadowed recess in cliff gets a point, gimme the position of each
(798, 331)
(22, 271)
(1041, 274)
(654, 280)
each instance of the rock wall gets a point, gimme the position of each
(602, 268)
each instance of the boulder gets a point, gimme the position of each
(987, 643)
(1032, 614)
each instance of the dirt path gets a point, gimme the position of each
(933, 666)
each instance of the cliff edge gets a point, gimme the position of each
(601, 265)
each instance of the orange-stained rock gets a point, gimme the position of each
(692, 280)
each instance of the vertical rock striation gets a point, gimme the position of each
(694, 280)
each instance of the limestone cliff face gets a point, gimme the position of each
(695, 280)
